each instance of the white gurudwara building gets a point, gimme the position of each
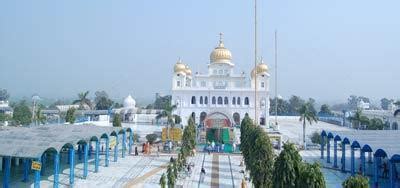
(220, 96)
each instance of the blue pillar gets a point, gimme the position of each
(322, 147)
(7, 170)
(363, 170)
(116, 150)
(26, 170)
(335, 154)
(56, 169)
(43, 170)
(123, 144)
(90, 149)
(107, 152)
(392, 178)
(37, 176)
(328, 151)
(71, 166)
(85, 160)
(352, 162)
(130, 141)
(376, 171)
(96, 159)
(343, 157)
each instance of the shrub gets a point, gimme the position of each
(151, 138)
(357, 181)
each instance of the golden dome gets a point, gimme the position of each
(220, 54)
(179, 67)
(188, 71)
(261, 68)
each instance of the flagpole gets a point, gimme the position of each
(255, 63)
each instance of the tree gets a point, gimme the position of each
(39, 118)
(358, 119)
(385, 103)
(163, 182)
(151, 138)
(325, 110)
(283, 107)
(287, 167)
(397, 103)
(246, 129)
(307, 114)
(352, 102)
(311, 176)
(375, 124)
(162, 102)
(83, 101)
(70, 117)
(295, 103)
(171, 176)
(117, 120)
(4, 95)
(316, 137)
(178, 119)
(189, 138)
(22, 114)
(356, 181)
(261, 158)
(102, 101)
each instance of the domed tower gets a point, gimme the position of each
(220, 60)
(180, 72)
(261, 71)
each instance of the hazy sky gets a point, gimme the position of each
(327, 49)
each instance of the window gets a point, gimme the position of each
(201, 100)
(233, 100)
(193, 100)
(262, 84)
(215, 71)
(220, 72)
(178, 83)
(219, 100)
(246, 101)
(203, 84)
(205, 100)
(213, 100)
(226, 100)
(238, 100)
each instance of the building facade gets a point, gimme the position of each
(220, 90)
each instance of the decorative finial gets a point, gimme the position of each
(261, 60)
(179, 60)
(221, 40)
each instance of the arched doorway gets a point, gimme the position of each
(218, 128)
(236, 118)
(203, 116)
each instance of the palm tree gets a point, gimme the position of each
(358, 118)
(39, 118)
(83, 101)
(168, 113)
(307, 113)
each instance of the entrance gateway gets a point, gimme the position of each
(218, 129)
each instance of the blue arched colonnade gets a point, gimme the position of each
(54, 144)
(376, 149)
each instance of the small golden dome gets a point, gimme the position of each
(220, 54)
(179, 67)
(188, 71)
(261, 68)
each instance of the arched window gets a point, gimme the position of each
(226, 101)
(213, 100)
(201, 100)
(238, 101)
(205, 100)
(246, 101)
(233, 100)
(193, 100)
(219, 100)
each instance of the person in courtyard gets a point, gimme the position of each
(170, 146)
(143, 147)
(202, 174)
(136, 151)
(213, 145)
(234, 147)
(222, 147)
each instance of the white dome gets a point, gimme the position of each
(129, 102)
